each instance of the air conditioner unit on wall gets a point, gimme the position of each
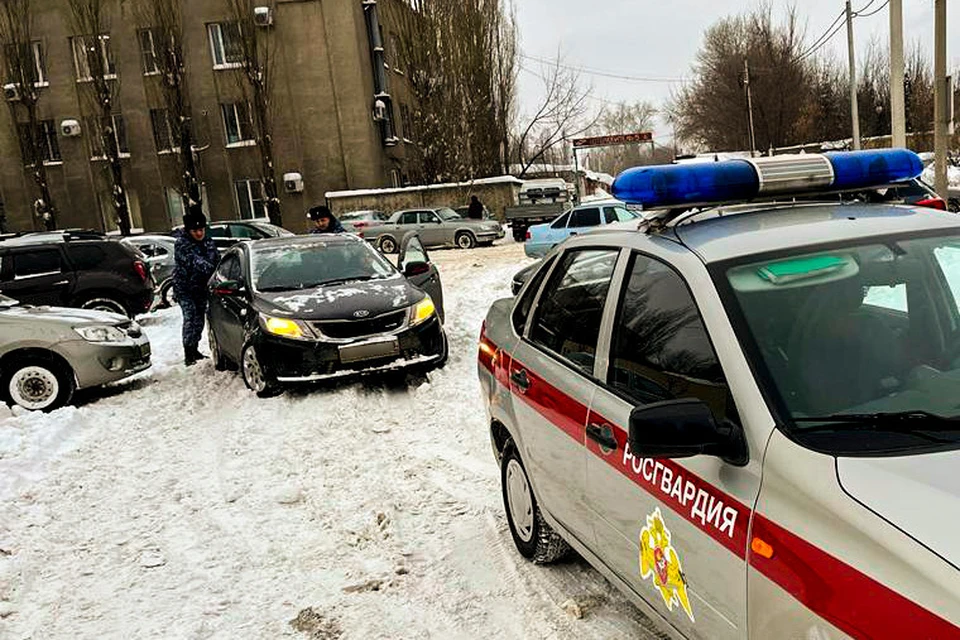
(293, 182)
(263, 16)
(70, 128)
(11, 92)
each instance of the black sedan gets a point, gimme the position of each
(311, 308)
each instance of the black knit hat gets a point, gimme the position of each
(194, 221)
(319, 212)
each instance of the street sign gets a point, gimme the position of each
(606, 141)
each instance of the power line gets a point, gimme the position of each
(877, 10)
(602, 73)
(835, 28)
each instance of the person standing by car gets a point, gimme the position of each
(196, 257)
(475, 212)
(324, 221)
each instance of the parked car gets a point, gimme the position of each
(317, 308)
(47, 353)
(436, 228)
(358, 221)
(158, 252)
(914, 192)
(86, 270)
(227, 234)
(543, 237)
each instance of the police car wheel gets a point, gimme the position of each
(534, 538)
(37, 383)
(256, 379)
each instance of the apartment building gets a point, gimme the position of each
(340, 114)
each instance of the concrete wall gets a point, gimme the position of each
(497, 197)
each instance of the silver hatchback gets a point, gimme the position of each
(47, 353)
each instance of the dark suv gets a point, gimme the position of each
(75, 269)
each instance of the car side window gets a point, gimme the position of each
(218, 231)
(522, 310)
(624, 215)
(429, 217)
(568, 316)
(561, 222)
(86, 257)
(585, 218)
(229, 268)
(410, 217)
(660, 349)
(36, 263)
(609, 215)
(243, 231)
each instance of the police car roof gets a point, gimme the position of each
(717, 237)
(312, 239)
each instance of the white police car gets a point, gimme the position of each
(744, 416)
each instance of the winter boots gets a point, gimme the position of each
(191, 356)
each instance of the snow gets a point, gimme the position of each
(953, 176)
(178, 505)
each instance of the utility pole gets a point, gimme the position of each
(746, 87)
(940, 99)
(854, 108)
(897, 102)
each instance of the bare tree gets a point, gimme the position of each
(161, 29)
(623, 117)
(460, 59)
(22, 60)
(563, 111)
(256, 81)
(90, 20)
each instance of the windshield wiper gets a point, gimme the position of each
(327, 283)
(920, 423)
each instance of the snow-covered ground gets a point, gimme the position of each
(178, 505)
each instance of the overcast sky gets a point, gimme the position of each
(658, 39)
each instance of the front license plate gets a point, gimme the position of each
(373, 350)
(143, 351)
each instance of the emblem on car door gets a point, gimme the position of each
(362, 313)
(660, 563)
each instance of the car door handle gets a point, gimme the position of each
(573, 233)
(519, 378)
(598, 434)
(62, 283)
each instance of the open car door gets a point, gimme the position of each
(415, 264)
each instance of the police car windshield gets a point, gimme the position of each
(860, 331)
(308, 265)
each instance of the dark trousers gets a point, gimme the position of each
(194, 309)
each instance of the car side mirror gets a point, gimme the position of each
(229, 288)
(413, 269)
(684, 428)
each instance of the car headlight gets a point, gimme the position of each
(284, 327)
(422, 311)
(101, 333)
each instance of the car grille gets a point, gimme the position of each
(344, 329)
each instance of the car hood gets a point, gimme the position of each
(918, 494)
(349, 300)
(73, 317)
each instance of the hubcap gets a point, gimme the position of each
(465, 242)
(388, 246)
(252, 372)
(34, 388)
(519, 501)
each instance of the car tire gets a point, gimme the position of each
(387, 245)
(465, 240)
(534, 538)
(220, 362)
(37, 383)
(256, 379)
(104, 303)
(168, 298)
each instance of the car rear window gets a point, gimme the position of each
(86, 257)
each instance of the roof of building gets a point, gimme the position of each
(427, 187)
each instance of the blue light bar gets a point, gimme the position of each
(730, 181)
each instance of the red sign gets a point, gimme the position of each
(606, 141)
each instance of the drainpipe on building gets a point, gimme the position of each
(382, 102)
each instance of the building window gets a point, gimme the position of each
(96, 127)
(45, 143)
(226, 44)
(250, 199)
(395, 48)
(149, 58)
(85, 57)
(163, 134)
(406, 123)
(237, 124)
(395, 178)
(33, 59)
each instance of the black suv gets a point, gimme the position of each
(75, 269)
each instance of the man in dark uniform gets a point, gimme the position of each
(324, 221)
(196, 258)
(475, 211)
